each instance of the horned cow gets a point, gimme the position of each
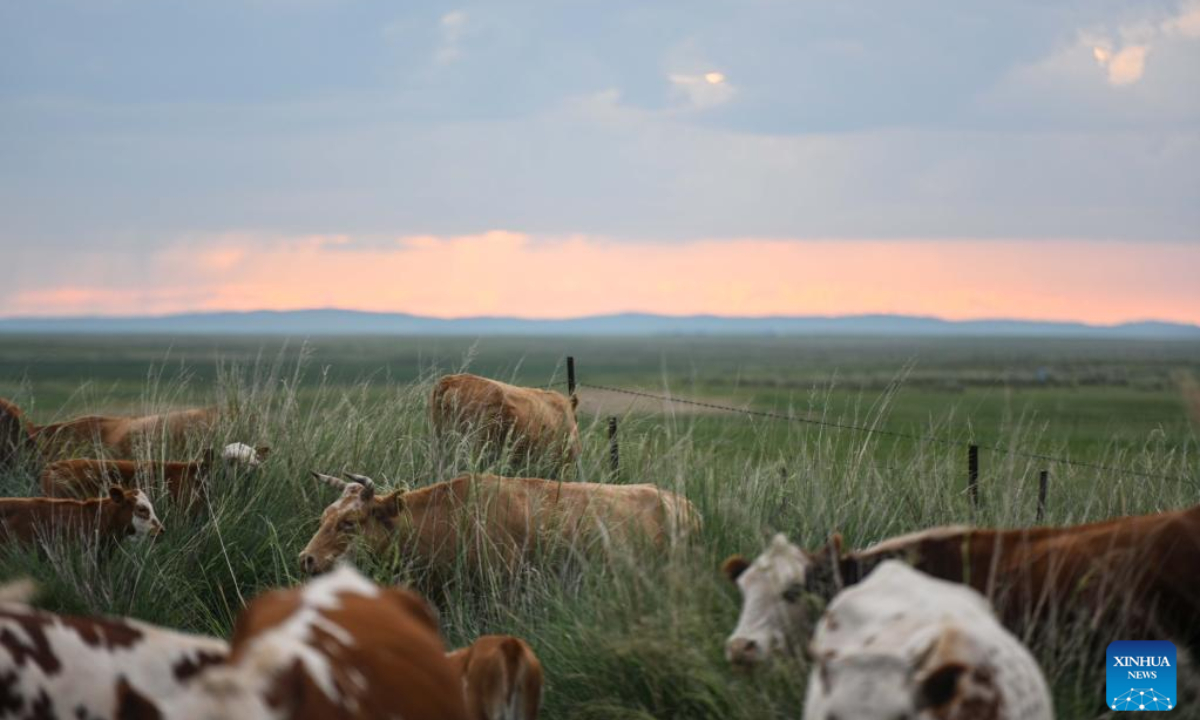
(491, 517)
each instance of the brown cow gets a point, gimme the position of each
(185, 481)
(487, 514)
(1136, 573)
(16, 438)
(122, 513)
(537, 426)
(120, 435)
(338, 648)
(501, 678)
(59, 666)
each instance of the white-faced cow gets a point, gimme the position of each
(338, 648)
(1099, 571)
(184, 481)
(123, 512)
(63, 667)
(536, 426)
(491, 517)
(501, 678)
(901, 644)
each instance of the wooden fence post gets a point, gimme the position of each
(570, 375)
(1043, 482)
(973, 475)
(614, 454)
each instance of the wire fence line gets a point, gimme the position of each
(887, 433)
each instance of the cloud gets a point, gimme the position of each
(702, 90)
(453, 27)
(1125, 66)
(512, 273)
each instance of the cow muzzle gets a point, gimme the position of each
(744, 652)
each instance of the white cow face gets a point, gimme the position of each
(145, 521)
(773, 612)
(242, 454)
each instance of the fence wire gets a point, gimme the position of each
(888, 433)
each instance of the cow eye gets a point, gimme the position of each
(793, 592)
(345, 526)
(142, 512)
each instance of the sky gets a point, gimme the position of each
(1025, 159)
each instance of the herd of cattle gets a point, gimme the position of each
(922, 626)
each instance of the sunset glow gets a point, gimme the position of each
(513, 274)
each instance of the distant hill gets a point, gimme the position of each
(352, 322)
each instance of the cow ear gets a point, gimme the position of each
(835, 545)
(734, 566)
(390, 505)
(574, 401)
(939, 686)
(116, 493)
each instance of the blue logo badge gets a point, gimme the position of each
(1141, 675)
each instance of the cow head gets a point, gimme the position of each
(774, 597)
(359, 514)
(948, 676)
(133, 512)
(235, 455)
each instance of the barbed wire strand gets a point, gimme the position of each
(883, 431)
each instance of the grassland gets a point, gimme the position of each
(639, 637)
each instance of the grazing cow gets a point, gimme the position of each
(501, 678)
(58, 666)
(119, 435)
(15, 437)
(538, 425)
(901, 644)
(185, 481)
(338, 648)
(486, 514)
(1132, 573)
(124, 512)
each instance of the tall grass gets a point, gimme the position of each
(638, 637)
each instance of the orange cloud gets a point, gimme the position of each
(505, 273)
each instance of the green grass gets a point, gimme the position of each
(641, 636)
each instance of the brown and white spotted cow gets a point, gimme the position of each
(1136, 573)
(59, 667)
(501, 678)
(537, 426)
(184, 481)
(491, 517)
(337, 648)
(901, 644)
(119, 435)
(122, 513)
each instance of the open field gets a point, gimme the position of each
(639, 636)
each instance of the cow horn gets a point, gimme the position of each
(330, 480)
(360, 479)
